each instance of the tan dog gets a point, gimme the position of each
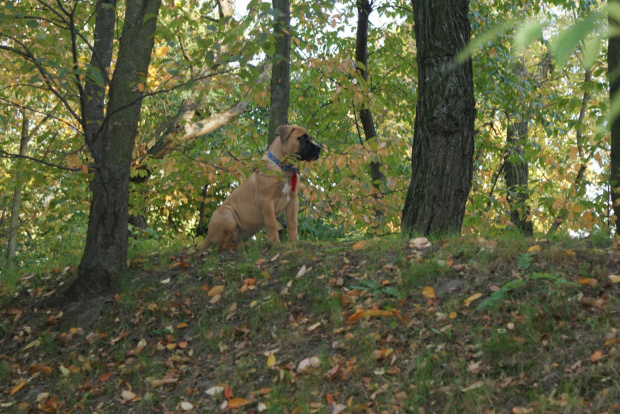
(268, 191)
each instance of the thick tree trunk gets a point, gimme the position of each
(613, 58)
(105, 253)
(281, 69)
(443, 144)
(364, 8)
(17, 193)
(517, 177)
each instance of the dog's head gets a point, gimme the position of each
(297, 142)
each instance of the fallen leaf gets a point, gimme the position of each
(308, 363)
(596, 356)
(128, 395)
(165, 381)
(215, 390)
(187, 406)
(614, 278)
(534, 248)
(32, 344)
(588, 281)
(377, 312)
(428, 292)
(262, 391)
(215, 290)
(453, 315)
(473, 386)
(271, 360)
(336, 408)
(301, 272)
(359, 245)
(356, 316)
(419, 243)
(165, 281)
(18, 387)
(472, 298)
(475, 367)
(182, 325)
(313, 327)
(105, 377)
(237, 402)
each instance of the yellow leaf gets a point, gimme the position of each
(472, 298)
(534, 248)
(215, 290)
(182, 325)
(18, 387)
(588, 281)
(453, 315)
(140, 87)
(32, 344)
(271, 360)
(428, 292)
(359, 245)
(614, 278)
(377, 312)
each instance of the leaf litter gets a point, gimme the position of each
(207, 341)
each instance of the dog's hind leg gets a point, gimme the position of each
(224, 230)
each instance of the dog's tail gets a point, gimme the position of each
(205, 244)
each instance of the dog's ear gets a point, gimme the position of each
(285, 131)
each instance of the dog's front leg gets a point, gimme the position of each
(269, 217)
(291, 218)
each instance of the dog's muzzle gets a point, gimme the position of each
(309, 152)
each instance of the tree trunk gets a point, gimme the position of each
(443, 145)
(364, 8)
(517, 176)
(281, 69)
(105, 253)
(17, 193)
(613, 58)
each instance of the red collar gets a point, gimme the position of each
(293, 182)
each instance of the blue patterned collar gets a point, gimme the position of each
(284, 167)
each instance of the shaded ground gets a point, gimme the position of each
(465, 325)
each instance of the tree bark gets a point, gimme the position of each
(613, 60)
(364, 8)
(105, 253)
(280, 70)
(17, 193)
(517, 176)
(443, 145)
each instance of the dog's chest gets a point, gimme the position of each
(287, 191)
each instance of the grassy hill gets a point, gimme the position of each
(385, 325)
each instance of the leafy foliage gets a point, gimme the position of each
(217, 63)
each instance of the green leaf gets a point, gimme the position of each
(566, 42)
(591, 51)
(483, 39)
(527, 34)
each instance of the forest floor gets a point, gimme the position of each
(462, 325)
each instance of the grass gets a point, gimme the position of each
(515, 324)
